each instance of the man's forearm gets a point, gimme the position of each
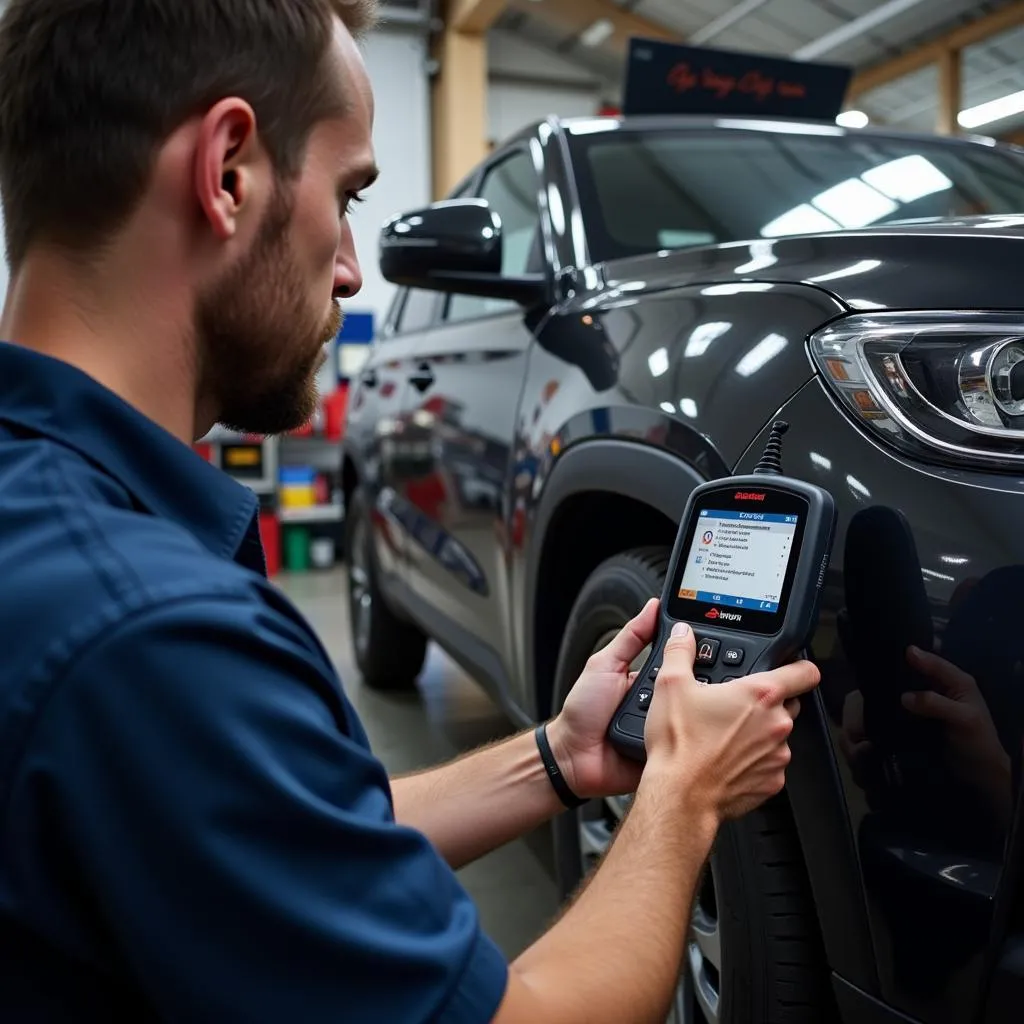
(616, 952)
(479, 802)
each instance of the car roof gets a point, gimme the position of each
(675, 122)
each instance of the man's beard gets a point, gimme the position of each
(260, 348)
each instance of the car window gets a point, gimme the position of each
(643, 191)
(418, 311)
(511, 189)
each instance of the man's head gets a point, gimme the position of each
(219, 142)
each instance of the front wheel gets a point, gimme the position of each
(753, 955)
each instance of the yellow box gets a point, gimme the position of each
(297, 496)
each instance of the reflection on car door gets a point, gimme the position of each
(462, 394)
(374, 420)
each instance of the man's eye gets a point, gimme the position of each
(350, 201)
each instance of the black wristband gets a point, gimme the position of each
(565, 794)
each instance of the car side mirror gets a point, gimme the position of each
(453, 246)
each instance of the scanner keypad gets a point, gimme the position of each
(716, 662)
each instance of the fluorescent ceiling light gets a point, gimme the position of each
(861, 267)
(556, 209)
(761, 257)
(907, 179)
(738, 288)
(589, 126)
(785, 127)
(852, 119)
(658, 362)
(764, 351)
(856, 485)
(688, 407)
(801, 220)
(668, 407)
(597, 33)
(702, 336)
(854, 203)
(994, 110)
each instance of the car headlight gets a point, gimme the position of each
(949, 385)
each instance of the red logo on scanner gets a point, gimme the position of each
(749, 496)
(724, 616)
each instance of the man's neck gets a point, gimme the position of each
(127, 337)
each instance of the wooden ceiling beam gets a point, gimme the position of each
(474, 16)
(977, 31)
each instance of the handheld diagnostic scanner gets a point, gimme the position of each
(746, 573)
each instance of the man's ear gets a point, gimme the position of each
(226, 169)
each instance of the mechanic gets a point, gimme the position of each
(194, 827)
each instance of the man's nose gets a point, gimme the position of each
(348, 278)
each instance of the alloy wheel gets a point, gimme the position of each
(697, 998)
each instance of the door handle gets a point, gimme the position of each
(369, 379)
(423, 378)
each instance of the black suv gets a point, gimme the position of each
(607, 313)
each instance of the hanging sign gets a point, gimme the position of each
(669, 78)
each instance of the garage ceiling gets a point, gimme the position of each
(860, 33)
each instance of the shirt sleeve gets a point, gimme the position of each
(234, 838)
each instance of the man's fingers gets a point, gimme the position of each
(793, 707)
(927, 704)
(948, 679)
(680, 652)
(634, 636)
(788, 681)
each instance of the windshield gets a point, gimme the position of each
(644, 191)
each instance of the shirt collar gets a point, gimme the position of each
(48, 397)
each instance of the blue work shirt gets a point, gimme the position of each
(193, 825)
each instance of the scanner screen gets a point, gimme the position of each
(739, 559)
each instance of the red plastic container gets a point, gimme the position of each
(270, 535)
(335, 407)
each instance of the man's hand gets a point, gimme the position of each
(727, 743)
(976, 753)
(591, 766)
(714, 752)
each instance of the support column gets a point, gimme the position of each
(949, 92)
(459, 100)
(459, 112)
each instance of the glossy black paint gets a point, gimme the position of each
(891, 267)
(508, 455)
(930, 836)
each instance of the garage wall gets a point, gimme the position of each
(396, 61)
(527, 84)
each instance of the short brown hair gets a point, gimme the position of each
(90, 88)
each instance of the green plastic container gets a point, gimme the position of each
(296, 548)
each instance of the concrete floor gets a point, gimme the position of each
(449, 714)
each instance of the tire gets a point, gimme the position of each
(389, 651)
(753, 903)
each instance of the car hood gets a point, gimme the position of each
(967, 263)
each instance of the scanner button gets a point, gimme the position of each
(707, 651)
(632, 725)
(733, 656)
(729, 679)
(703, 680)
(643, 699)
